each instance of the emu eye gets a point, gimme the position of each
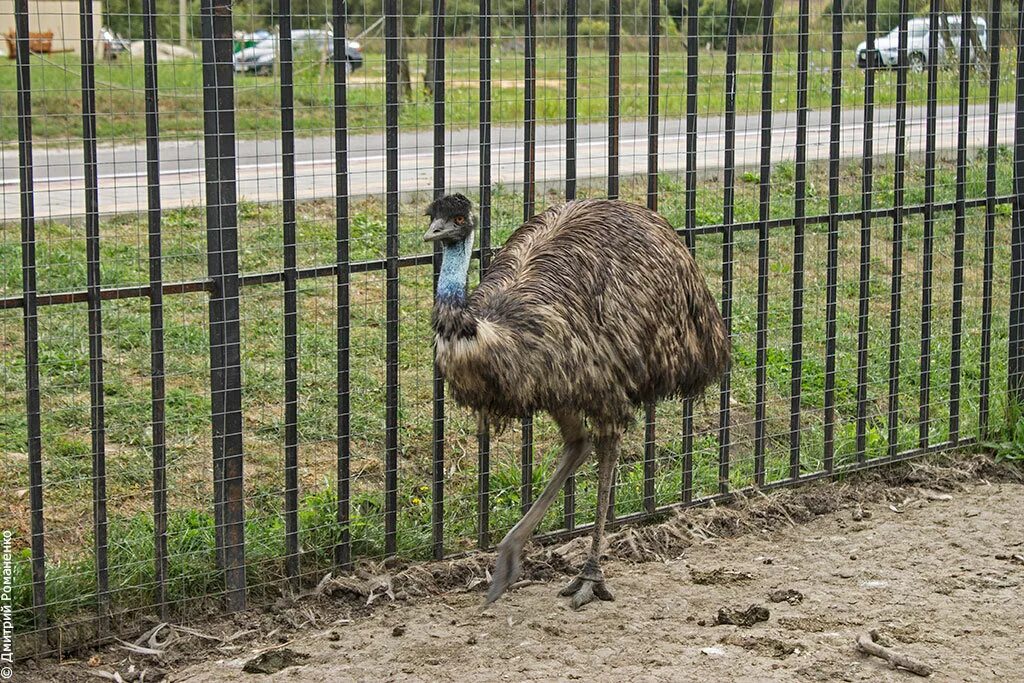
(459, 220)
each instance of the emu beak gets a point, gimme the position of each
(435, 231)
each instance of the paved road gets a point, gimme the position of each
(59, 185)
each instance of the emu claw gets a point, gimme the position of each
(583, 591)
(506, 570)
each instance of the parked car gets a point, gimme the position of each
(244, 40)
(887, 46)
(261, 57)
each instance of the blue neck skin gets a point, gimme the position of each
(451, 283)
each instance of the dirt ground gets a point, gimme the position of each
(937, 570)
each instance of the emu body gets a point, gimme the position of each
(590, 310)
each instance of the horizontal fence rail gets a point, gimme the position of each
(217, 360)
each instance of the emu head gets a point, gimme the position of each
(451, 219)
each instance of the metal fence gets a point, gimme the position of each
(184, 422)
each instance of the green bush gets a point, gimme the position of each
(454, 25)
(713, 19)
(887, 12)
(592, 27)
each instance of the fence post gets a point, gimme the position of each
(529, 207)
(393, 51)
(30, 314)
(343, 551)
(483, 435)
(1016, 364)
(222, 262)
(437, 58)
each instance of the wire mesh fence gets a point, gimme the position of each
(215, 304)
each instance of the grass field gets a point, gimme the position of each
(65, 380)
(56, 91)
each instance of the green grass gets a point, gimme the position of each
(56, 91)
(65, 382)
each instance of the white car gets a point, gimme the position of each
(261, 58)
(887, 46)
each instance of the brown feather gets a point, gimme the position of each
(593, 306)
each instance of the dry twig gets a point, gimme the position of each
(868, 643)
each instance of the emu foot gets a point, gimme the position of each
(587, 586)
(507, 568)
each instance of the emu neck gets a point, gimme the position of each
(451, 283)
(451, 318)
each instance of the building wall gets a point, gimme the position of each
(59, 16)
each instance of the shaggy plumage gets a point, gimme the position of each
(590, 310)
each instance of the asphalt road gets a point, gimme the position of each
(59, 182)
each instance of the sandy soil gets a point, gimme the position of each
(938, 574)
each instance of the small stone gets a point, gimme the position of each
(793, 597)
(471, 640)
(398, 630)
(334, 636)
(702, 622)
(274, 661)
(860, 514)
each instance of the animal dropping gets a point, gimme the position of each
(591, 310)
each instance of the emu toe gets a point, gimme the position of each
(587, 586)
(583, 591)
(507, 568)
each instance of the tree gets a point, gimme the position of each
(713, 19)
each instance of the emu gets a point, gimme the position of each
(590, 310)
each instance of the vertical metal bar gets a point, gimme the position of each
(653, 93)
(529, 204)
(437, 486)
(391, 44)
(156, 308)
(959, 220)
(1016, 349)
(484, 438)
(690, 216)
(571, 81)
(995, 19)
(30, 314)
(614, 31)
(832, 267)
(95, 316)
(614, 70)
(291, 303)
(343, 551)
(928, 242)
(865, 233)
(799, 225)
(764, 213)
(728, 217)
(899, 176)
(222, 264)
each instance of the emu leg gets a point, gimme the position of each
(590, 582)
(509, 563)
